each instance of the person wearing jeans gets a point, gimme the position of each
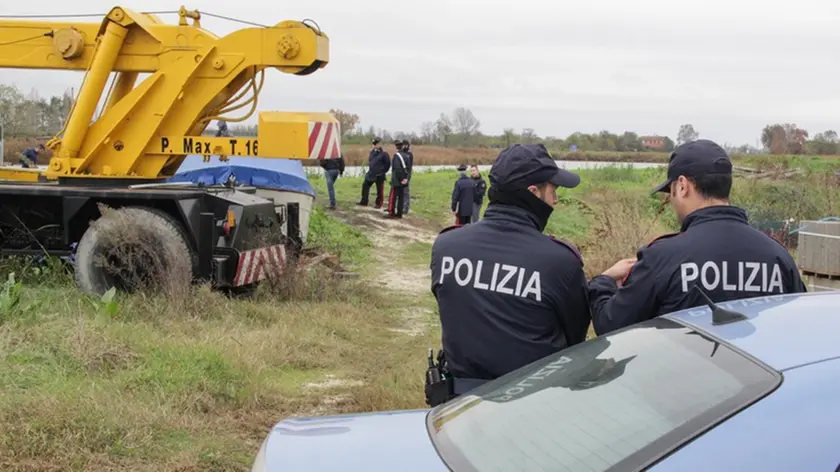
(480, 190)
(332, 169)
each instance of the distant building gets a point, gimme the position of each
(654, 142)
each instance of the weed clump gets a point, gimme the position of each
(623, 222)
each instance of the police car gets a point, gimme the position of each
(751, 385)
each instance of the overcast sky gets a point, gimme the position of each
(727, 66)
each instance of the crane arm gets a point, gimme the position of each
(70, 46)
(144, 131)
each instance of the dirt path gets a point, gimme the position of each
(390, 237)
(412, 281)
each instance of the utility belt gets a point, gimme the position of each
(440, 386)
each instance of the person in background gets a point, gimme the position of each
(379, 163)
(480, 191)
(29, 156)
(333, 168)
(409, 160)
(399, 179)
(222, 129)
(463, 197)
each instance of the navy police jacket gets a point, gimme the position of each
(379, 163)
(507, 294)
(409, 162)
(463, 195)
(717, 249)
(399, 169)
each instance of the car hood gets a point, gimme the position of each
(373, 442)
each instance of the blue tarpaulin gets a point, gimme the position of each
(276, 174)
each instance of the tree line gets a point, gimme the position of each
(461, 128)
(30, 115)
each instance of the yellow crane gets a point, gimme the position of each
(119, 158)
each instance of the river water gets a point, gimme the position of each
(355, 171)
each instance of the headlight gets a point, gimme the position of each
(259, 462)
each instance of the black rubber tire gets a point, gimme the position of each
(161, 235)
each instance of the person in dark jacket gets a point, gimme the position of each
(480, 190)
(463, 197)
(508, 294)
(333, 168)
(716, 250)
(409, 159)
(379, 163)
(222, 129)
(29, 156)
(399, 180)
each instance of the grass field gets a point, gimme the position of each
(435, 155)
(194, 383)
(611, 213)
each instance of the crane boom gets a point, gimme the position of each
(146, 130)
(90, 202)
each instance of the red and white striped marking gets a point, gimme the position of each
(257, 264)
(324, 140)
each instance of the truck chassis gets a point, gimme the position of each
(232, 237)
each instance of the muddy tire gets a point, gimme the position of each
(133, 249)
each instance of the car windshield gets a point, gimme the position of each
(616, 402)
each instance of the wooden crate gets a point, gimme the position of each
(815, 283)
(818, 248)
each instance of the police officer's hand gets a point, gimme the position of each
(404, 181)
(620, 270)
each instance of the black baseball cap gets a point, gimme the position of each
(522, 165)
(695, 159)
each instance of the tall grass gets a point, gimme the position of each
(146, 382)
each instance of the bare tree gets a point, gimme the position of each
(465, 122)
(347, 121)
(509, 136)
(687, 134)
(427, 130)
(443, 128)
(529, 136)
(787, 138)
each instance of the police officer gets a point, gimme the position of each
(379, 163)
(409, 161)
(463, 197)
(399, 180)
(508, 294)
(716, 250)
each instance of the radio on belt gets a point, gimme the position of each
(440, 387)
